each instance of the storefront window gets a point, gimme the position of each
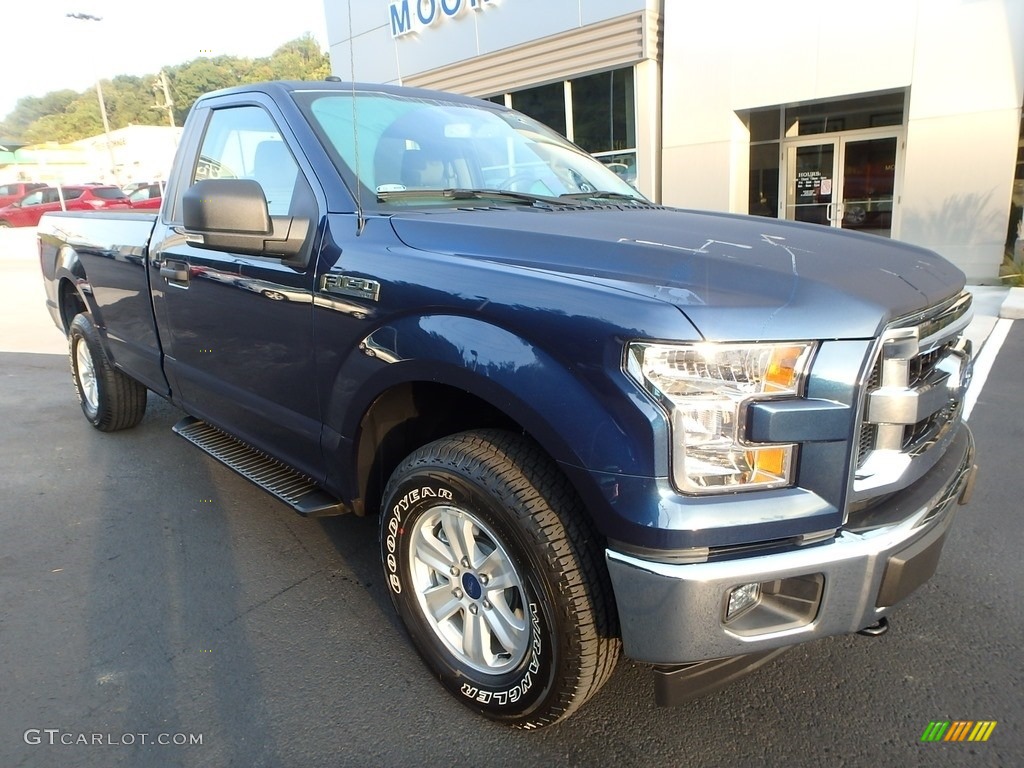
(546, 104)
(764, 179)
(604, 118)
(846, 115)
(764, 125)
(603, 115)
(856, 155)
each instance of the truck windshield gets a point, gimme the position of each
(416, 151)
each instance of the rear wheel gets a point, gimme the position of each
(499, 578)
(110, 400)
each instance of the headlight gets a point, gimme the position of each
(706, 388)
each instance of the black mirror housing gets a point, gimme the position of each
(232, 215)
(226, 205)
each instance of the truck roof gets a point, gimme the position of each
(279, 88)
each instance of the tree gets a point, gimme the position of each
(300, 59)
(67, 116)
(31, 108)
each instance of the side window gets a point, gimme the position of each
(34, 199)
(244, 143)
(9, 189)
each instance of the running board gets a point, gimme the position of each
(292, 487)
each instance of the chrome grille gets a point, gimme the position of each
(912, 398)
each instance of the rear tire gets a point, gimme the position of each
(499, 577)
(110, 400)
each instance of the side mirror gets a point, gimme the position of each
(231, 215)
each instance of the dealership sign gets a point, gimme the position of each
(416, 15)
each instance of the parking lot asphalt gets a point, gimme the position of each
(148, 595)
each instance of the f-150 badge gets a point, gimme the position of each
(350, 286)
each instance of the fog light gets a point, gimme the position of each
(741, 598)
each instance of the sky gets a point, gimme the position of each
(44, 50)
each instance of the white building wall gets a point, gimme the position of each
(359, 32)
(962, 60)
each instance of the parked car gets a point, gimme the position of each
(10, 193)
(137, 185)
(147, 196)
(27, 211)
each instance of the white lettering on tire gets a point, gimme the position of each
(395, 530)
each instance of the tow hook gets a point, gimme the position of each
(877, 629)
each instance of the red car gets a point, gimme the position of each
(11, 192)
(147, 196)
(27, 211)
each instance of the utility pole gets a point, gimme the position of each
(103, 106)
(161, 83)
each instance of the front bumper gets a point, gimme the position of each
(676, 613)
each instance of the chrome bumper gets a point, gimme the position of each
(676, 613)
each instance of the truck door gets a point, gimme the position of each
(237, 329)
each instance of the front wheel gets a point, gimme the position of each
(499, 577)
(110, 400)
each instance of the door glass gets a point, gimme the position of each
(809, 192)
(869, 178)
(244, 143)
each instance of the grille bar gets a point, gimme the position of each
(912, 399)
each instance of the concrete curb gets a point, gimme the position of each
(1012, 307)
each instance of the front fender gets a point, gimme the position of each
(584, 413)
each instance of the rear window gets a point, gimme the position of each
(109, 193)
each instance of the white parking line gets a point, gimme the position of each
(983, 363)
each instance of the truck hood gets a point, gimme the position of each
(734, 277)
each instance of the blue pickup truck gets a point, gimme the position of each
(589, 425)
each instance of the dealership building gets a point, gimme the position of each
(901, 118)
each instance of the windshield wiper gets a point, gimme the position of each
(599, 195)
(470, 194)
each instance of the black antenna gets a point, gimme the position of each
(360, 219)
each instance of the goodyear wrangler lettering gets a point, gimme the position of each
(394, 528)
(520, 689)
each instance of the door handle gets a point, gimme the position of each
(174, 271)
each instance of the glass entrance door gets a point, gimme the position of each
(847, 182)
(869, 184)
(811, 172)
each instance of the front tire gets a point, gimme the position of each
(110, 400)
(499, 577)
